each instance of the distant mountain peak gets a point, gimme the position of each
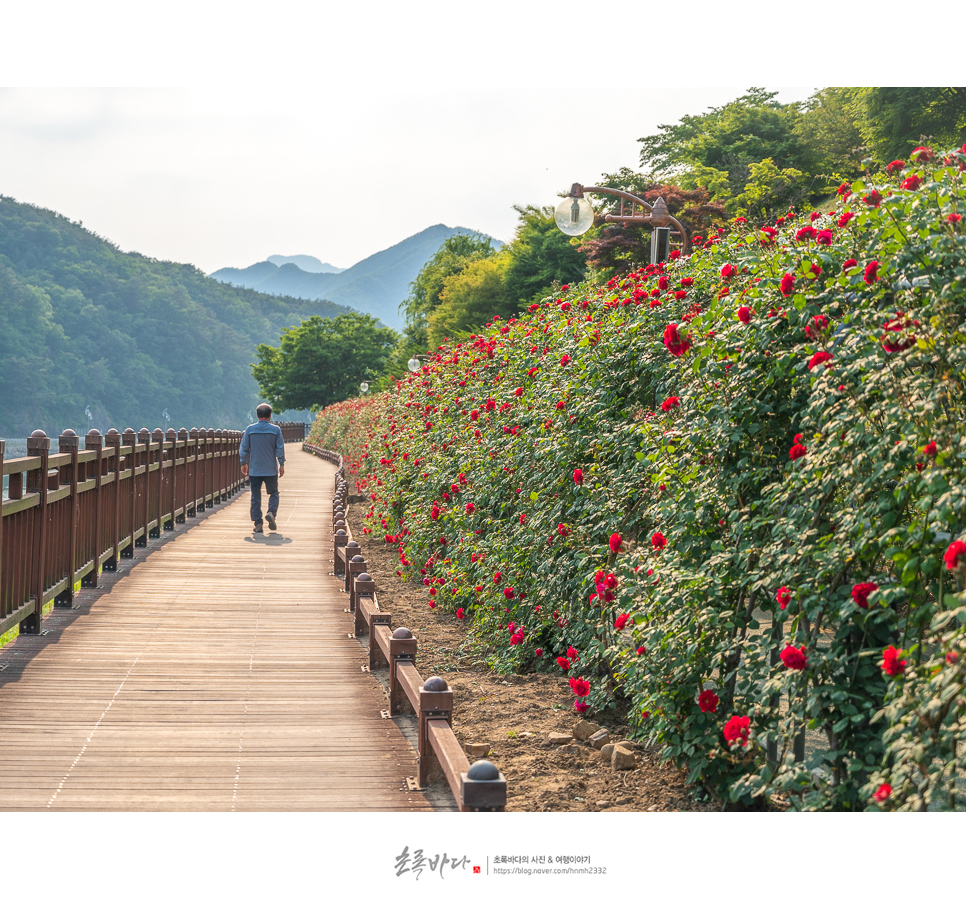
(307, 264)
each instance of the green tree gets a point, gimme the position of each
(892, 119)
(730, 138)
(540, 255)
(321, 361)
(472, 298)
(829, 127)
(768, 191)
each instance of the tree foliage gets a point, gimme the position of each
(322, 360)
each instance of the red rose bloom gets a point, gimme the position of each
(787, 285)
(895, 166)
(951, 557)
(572, 653)
(890, 343)
(844, 190)
(744, 315)
(873, 199)
(954, 218)
(849, 263)
(891, 663)
(728, 270)
(658, 541)
(783, 596)
(910, 183)
(580, 686)
(673, 341)
(930, 449)
(578, 477)
(708, 701)
(871, 272)
(861, 592)
(824, 237)
(845, 218)
(794, 658)
(621, 621)
(470, 507)
(737, 729)
(564, 360)
(615, 542)
(882, 793)
(509, 593)
(563, 662)
(670, 403)
(923, 154)
(820, 357)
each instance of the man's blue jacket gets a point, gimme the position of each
(261, 445)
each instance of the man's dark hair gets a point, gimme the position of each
(264, 410)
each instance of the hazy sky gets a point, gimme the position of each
(220, 138)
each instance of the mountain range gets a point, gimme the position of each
(377, 285)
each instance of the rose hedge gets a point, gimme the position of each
(723, 491)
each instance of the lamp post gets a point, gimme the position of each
(574, 216)
(414, 363)
(364, 386)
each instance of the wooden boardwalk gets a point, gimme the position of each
(215, 675)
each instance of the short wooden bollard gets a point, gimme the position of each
(362, 587)
(341, 539)
(435, 704)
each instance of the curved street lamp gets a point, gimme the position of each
(575, 216)
(414, 363)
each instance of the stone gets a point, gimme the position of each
(584, 729)
(599, 739)
(568, 750)
(623, 758)
(477, 750)
(607, 751)
(560, 738)
(603, 803)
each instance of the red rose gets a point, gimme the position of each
(708, 701)
(891, 663)
(871, 272)
(882, 793)
(737, 729)
(516, 638)
(951, 557)
(845, 218)
(563, 662)
(895, 166)
(673, 341)
(470, 507)
(954, 218)
(910, 183)
(849, 263)
(496, 577)
(670, 403)
(861, 592)
(580, 686)
(873, 199)
(923, 154)
(564, 360)
(658, 541)
(824, 237)
(820, 357)
(539, 653)
(728, 270)
(787, 285)
(783, 596)
(572, 653)
(744, 315)
(615, 542)
(805, 233)
(621, 621)
(578, 477)
(509, 593)
(794, 658)
(844, 190)
(930, 449)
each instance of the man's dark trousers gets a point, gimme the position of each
(271, 486)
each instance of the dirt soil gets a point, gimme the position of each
(516, 714)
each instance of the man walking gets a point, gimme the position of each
(262, 456)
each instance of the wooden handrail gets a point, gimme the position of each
(72, 513)
(476, 787)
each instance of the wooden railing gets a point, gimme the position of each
(292, 431)
(480, 787)
(72, 513)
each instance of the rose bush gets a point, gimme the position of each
(781, 522)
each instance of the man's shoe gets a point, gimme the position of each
(270, 517)
(257, 528)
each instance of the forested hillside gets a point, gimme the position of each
(85, 324)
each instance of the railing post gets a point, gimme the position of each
(192, 465)
(144, 438)
(112, 442)
(129, 439)
(207, 488)
(171, 439)
(94, 441)
(38, 445)
(182, 478)
(341, 539)
(354, 564)
(69, 443)
(362, 586)
(157, 484)
(219, 456)
(402, 648)
(435, 702)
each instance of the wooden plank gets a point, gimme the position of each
(215, 675)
